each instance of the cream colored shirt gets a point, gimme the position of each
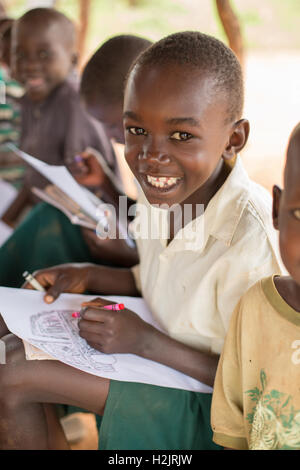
(256, 400)
(193, 287)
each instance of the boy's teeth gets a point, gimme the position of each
(162, 182)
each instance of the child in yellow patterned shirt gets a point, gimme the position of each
(256, 400)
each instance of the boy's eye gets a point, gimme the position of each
(137, 131)
(44, 55)
(20, 55)
(181, 135)
(296, 214)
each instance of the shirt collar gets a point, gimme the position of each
(225, 209)
(223, 212)
(220, 218)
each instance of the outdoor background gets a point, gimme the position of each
(271, 31)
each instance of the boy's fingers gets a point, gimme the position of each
(98, 315)
(55, 290)
(98, 302)
(26, 285)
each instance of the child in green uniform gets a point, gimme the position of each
(256, 403)
(183, 130)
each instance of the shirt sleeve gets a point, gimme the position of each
(136, 274)
(227, 418)
(252, 258)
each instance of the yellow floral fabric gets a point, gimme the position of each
(256, 399)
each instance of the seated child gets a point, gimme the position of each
(183, 130)
(55, 127)
(256, 401)
(46, 237)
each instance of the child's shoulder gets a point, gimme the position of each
(256, 304)
(242, 209)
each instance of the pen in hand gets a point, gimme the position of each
(33, 282)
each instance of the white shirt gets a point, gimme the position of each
(192, 288)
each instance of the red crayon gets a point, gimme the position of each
(106, 307)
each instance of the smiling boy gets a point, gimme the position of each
(183, 130)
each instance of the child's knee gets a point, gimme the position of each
(12, 354)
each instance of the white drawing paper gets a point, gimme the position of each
(61, 177)
(53, 329)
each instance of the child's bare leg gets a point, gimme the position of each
(3, 328)
(56, 436)
(26, 385)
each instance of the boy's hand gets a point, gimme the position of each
(112, 331)
(87, 170)
(70, 278)
(115, 251)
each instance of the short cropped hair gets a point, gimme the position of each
(104, 75)
(195, 50)
(48, 16)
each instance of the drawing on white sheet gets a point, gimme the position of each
(56, 332)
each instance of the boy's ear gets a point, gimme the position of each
(74, 59)
(277, 192)
(238, 139)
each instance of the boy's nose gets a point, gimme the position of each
(155, 157)
(32, 64)
(154, 151)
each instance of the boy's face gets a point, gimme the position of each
(175, 132)
(41, 58)
(110, 117)
(289, 213)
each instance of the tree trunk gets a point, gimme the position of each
(85, 6)
(2, 10)
(232, 28)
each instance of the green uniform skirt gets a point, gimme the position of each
(146, 417)
(45, 238)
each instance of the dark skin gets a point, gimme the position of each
(202, 170)
(41, 59)
(286, 216)
(286, 219)
(88, 172)
(5, 41)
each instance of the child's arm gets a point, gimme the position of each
(12, 213)
(114, 251)
(81, 277)
(125, 332)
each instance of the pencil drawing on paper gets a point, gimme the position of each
(56, 333)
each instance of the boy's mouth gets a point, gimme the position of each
(33, 83)
(163, 183)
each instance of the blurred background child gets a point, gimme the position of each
(54, 125)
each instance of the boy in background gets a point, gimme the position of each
(55, 127)
(256, 401)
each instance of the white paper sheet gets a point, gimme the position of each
(53, 329)
(61, 177)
